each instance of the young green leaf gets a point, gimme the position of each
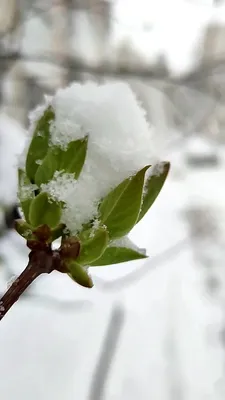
(79, 274)
(48, 167)
(153, 187)
(43, 211)
(39, 144)
(25, 205)
(70, 160)
(119, 210)
(93, 245)
(24, 202)
(116, 255)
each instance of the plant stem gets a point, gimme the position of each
(39, 262)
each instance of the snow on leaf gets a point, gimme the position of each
(125, 241)
(116, 255)
(119, 251)
(61, 187)
(153, 186)
(70, 161)
(119, 145)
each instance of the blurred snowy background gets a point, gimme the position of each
(147, 330)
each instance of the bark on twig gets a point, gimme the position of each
(42, 260)
(39, 263)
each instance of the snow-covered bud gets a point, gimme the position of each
(87, 169)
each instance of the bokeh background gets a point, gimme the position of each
(147, 330)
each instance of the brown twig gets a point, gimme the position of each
(42, 260)
(39, 262)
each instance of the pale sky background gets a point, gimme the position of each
(176, 26)
(172, 28)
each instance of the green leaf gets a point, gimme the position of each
(39, 144)
(70, 160)
(119, 210)
(153, 187)
(43, 211)
(24, 203)
(48, 167)
(93, 245)
(116, 255)
(79, 274)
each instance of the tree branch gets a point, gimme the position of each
(39, 262)
(200, 73)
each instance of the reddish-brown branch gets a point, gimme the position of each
(39, 262)
(42, 260)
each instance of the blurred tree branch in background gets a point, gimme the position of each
(212, 70)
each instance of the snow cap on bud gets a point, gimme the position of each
(86, 169)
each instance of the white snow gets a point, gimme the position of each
(166, 35)
(156, 170)
(26, 191)
(119, 144)
(127, 243)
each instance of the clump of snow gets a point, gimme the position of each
(119, 144)
(61, 187)
(69, 130)
(95, 225)
(156, 170)
(26, 190)
(127, 243)
(106, 112)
